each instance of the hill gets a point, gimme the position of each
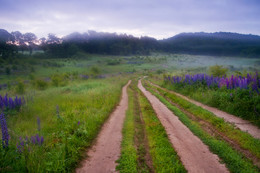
(219, 43)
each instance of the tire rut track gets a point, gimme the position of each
(194, 154)
(214, 132)
(106, 150)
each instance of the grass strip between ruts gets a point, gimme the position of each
(128, 159)
(165, 158)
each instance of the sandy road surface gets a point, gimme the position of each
(194, 154)
(106, 151)
(243, 125)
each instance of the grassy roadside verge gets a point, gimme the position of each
(164, 157)
(243, 139)
(233, 160)
(241, 103)
(70, 118)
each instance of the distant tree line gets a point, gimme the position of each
(220, 43)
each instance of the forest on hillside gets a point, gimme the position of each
(219, 44)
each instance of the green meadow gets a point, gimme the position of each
(66, 101)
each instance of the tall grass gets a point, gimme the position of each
(70, 117)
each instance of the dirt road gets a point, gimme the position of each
(194, 154)
(106, 151)
(243, 125)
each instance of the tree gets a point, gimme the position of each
(30, 38)
(218, 70)
(18, 37)
(19, 40)
(53, 39)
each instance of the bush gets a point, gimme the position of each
(218, 70)
(95, 71)
(113, 62)
(41, 84)
(56, 80)
(20, 87)
(59, 80)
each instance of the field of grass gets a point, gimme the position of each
(68, 100)
(24, 66)
(70, 118)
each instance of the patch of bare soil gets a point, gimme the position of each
(194, 154)
(103, 154)
(243, 125)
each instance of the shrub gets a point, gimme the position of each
(59, 80)
(218, 70)
(20, 87)
(95, 71)
(41, 84)
(56, 80)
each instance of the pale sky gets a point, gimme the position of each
(155, 18)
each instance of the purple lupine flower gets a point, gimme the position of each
(33, 140)
(6, 101)
(16, 101)
(5, 135)
(27, 139)
(38, 140)
(78, 122)
(42, 140)
(11, 103)
(22, 143)
(250, 81)
(18, 147)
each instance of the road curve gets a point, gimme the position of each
(243, 125)
(194, 154)
(104, 153)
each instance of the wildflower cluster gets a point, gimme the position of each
(233, 82)
(34, 140)
(8, 103)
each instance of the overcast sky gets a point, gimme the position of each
(156, 18)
